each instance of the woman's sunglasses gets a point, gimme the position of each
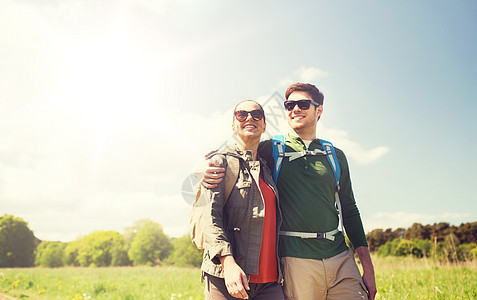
(242, 115)
(302, 104)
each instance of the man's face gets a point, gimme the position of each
(300, 118)
(248, 127)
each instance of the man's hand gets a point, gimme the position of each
(368, 271)
(235, 279)
(213, 175)
(370, 283)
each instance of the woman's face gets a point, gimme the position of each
(249, 127)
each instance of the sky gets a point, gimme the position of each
(107, 107)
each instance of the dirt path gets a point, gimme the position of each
(6, 297)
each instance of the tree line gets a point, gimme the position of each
(144, 243)
(441, 241)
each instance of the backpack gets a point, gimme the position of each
(279, 144)
(200, 208)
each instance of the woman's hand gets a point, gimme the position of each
(235, 279)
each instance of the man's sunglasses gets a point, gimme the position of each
(242, 115)
(302, 104)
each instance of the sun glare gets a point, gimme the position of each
(108, 83)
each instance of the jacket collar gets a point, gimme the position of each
(230, 149)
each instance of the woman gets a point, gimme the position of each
(241, 236)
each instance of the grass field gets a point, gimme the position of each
(397, 278)
(102, 283)
(408, 278)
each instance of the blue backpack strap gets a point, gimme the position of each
(333, 160)
(278, 144)
(335, 165)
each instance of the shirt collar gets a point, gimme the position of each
(295, 139)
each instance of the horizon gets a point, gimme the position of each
(186, 234)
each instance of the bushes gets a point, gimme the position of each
(150, 245)
(466, 252)
(143, 244)
(440, 241)
(96, 249)
(389, 248)
(407, 248)
(50, 254)
(465, 233)
(185, 253)
(448, 250)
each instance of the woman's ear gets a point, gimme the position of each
(234, 128)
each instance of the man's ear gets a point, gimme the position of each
(319, 111)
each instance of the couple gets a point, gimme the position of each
(245, 258)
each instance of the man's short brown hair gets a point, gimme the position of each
(312, 90)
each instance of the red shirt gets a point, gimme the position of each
(267, 268)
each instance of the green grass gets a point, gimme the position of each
(411, 278)
(397, 278)
(102, 283)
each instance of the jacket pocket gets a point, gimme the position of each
(239, 248)
(239, 195)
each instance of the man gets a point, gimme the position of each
(322, 267)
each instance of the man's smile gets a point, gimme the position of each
(298, 117)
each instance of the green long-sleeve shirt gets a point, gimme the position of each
(307, 199)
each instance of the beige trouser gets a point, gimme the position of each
(336, 277)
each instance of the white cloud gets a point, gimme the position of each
(309, 74)
(303, 74)
(352, 149)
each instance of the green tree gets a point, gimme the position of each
(467, 233)
(404, 248)
(389, 248)
(425, 247)
(17, 243)
(95, 249)
(50, 254)
(473, 252)
(70, 254)
(150, 244)
(416, 231)
(375, 239)
(119, 253)
(464, 251)
(407, 248)
(185, 253)
(378, 237)
(440, 231)
(450, 244)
